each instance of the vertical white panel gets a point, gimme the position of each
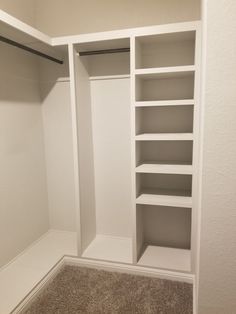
(196, 149)
(86, 162)
(136, 219)
(73, 103)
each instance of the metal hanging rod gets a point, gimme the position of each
(101, 52)
(31, 50)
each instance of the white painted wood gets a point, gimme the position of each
(163, 103)
(125, 33)
(197, 152)
(21, 27)
(136, 238)
(16, 30)
(164, 137)
(108, 77)
(131, 269)
(73, 104)
(180, 82)
(164, 200)
(86, 155)
(39, 286)
(167, 258)
(164, 72)
(109, 248)
(20, 276)
(164, 168)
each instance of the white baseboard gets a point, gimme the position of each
(40, 285)
(131, 269)
(108, 266)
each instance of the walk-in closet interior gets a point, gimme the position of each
(104, 154)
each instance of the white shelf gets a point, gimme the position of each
(16, 30)
(165, 168)
(20, 276)
(167, 258)
(164, 72)
(163, 103)
(164, 137)
(116, 249)
(162, 198)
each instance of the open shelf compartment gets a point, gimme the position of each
(165, 50)
(165, 87)
(164, 237)
(164, 189)
(171, 119)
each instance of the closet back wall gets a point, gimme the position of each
(55, 100)
(59, 17)
(23, 188)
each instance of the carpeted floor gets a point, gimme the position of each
(86, 290)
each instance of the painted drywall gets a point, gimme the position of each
(21, 9)
(55, 101)
(110, 101)
(23, 193)
(217, 277)
(60, 17)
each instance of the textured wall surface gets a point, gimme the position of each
(21, 9)
(60, 17)
(217, 290)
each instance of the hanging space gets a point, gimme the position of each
(163, 71)
(103, 119)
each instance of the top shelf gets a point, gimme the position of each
(165, 50)
(22, 33)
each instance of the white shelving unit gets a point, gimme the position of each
(124, 215)
(142, 106)
(109, 248)
(164, 74)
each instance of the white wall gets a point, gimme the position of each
(110, 101)
(23, 194)
(217, 285)
(55, 99)
(60, 17)
(21, 9)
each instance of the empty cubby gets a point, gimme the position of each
(164, 184)
(176, 152)
(164, 50)
(168, 119)
(167, 86)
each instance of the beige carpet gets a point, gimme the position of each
(84, 290)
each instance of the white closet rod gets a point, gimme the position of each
(28, 49)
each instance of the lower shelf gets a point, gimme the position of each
(167, 258)
(164, 200)
(115, 249)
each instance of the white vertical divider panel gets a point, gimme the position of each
(196, 150)
(133, 148)
(73, 93)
